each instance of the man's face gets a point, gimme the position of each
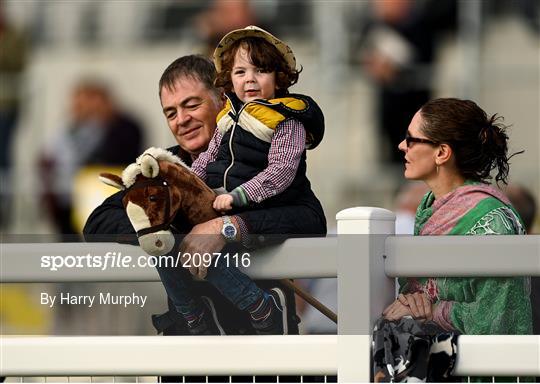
(191, 110)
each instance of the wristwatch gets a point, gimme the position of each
(228, 230)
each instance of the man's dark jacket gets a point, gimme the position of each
(109, 222)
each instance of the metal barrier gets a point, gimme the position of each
(364, 264)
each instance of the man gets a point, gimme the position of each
(14, 49)
(190, 104)
(99, 132)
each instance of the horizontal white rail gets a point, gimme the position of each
(298, 258)
(155, 355)
(295, 258)
(498, 355)
(235, 355)
(462, 256)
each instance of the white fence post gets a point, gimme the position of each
(362, 285)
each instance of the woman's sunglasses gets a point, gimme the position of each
(411, 139)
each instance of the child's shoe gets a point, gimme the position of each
(208, 322)
(276, 322)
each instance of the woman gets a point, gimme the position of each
(452, 145)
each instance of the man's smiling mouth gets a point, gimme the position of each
(190, 130)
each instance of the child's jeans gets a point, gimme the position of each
(237, 287)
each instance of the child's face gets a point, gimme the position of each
(249, 82)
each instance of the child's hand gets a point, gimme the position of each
(223, 203)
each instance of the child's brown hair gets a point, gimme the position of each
(262, 55)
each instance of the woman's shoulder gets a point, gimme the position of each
(492, 217)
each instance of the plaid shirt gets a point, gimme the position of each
(286, 149)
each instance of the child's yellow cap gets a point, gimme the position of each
(253, 31)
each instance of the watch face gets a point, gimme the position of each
(229, 231)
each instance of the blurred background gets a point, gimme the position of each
(78, 93)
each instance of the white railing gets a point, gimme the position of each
(21, 263)
(156, 355)
(234, 355)
(365, 266)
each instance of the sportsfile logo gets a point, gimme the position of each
(118, 260)
(107, 261)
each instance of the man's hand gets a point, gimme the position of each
(203, 238)
(223, 203)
